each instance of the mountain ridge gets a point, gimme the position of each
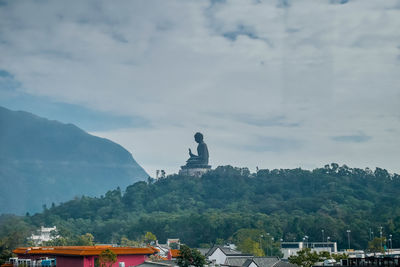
(42, 154)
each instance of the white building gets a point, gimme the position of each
(44, 234)
(219, 254)
(290, 248)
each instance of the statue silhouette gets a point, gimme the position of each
(202, 153)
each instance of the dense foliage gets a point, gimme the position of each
(190, 257)
(308, 258)
(225, 203)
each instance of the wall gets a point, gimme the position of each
(130, 260)
(88, 261)
(218, 256)
(66, 261)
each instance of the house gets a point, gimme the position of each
(44, 234)
(173, 254)
(163, 249)
(256, 262)
(203, 251)
(219, 254)
(174, 243)
(81, 256)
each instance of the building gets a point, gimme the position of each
(163, 249)
(44, 234)
(219, 254)
(157, 264)
(290, 248)
(173, 254)
(82, 256)
(372, 260)
(256, 262)
(174, 243)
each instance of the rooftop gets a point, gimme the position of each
(227, 251)
(83, 250)
(174, 253)
(245, 261)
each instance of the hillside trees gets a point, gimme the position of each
(286, 203)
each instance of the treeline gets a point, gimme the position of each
(285, 204)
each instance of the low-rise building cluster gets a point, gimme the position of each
(165, 255)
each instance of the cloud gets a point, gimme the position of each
(88, 119)
(359, 138)
(5, 74)
(280, 121)
(273, 144)
(237, 70)
(7, 82)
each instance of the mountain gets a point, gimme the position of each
(44, 162)
(287, 204)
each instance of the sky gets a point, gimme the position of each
(270, 83)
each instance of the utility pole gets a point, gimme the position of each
(381, 236)
(272, 244)
(348, 237)
(305, 238)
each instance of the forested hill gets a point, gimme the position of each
(44, 161)
(287, 204)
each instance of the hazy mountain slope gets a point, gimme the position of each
(44, 161)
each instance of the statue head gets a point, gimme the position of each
(198, 137)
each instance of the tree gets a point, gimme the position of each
(375, 245)
(305, 258)
(85, 240)
(219, 241)
(129, 243)
(60, 241)
(174, 245)
(188, 256)
(339, 257)
(252, 247)
(5, 252)
(107, 258)
(149, 237)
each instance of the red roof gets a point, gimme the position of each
(83, 250)
(174, 253)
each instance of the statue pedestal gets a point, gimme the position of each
(196, 171)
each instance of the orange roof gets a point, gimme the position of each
(83, 250)
(174, 253)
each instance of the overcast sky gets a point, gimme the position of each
(273, 83)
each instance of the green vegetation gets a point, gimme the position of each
(254, 210)
(376, 245)
(256, 242)
(78, 240)
(190, 257)
(149, 237)
(306, 258)
(107, 258)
